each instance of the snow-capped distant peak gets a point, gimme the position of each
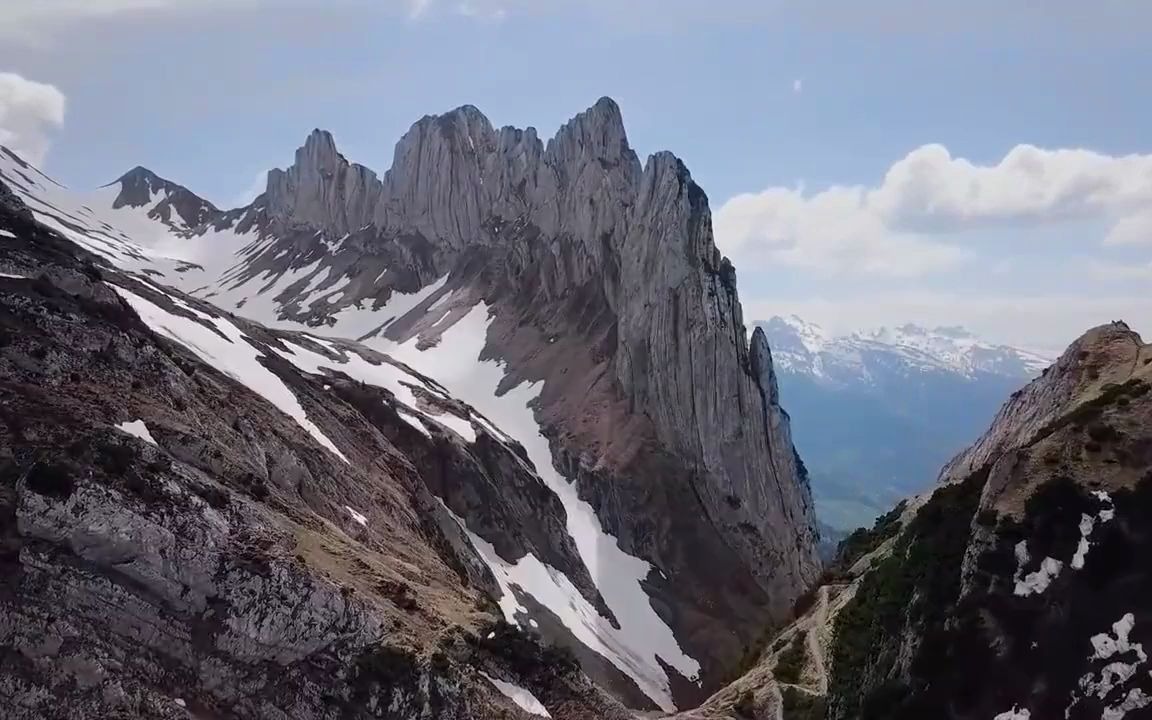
(801, 347)
(960, 349)
(807, 335)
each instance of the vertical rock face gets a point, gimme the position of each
(605, 285)
(577, 241)
(322, 189)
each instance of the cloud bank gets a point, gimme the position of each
(29, 111)
(907, 224)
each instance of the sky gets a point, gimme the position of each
(986, 164)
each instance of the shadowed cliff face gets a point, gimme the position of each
(576, 299)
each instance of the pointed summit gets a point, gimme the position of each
(322, 188)
(596, 133)
(171, 203)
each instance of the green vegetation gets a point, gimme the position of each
(1110, 394)
(915, 586)
(863, 541)
(790, 664)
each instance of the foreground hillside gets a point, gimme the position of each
(1016, 590)
(193, 526)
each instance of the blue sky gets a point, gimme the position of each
(772, 103)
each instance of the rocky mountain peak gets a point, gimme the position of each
(597, 134)
(1102, 356)
(322, 189)
(760, 361)
(166, 201)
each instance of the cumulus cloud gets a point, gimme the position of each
(29, 110)
(834, 231)
(902, 226)
(797, 86)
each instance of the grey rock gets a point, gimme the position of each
(322, 189)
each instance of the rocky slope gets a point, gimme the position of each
(191, 526)
(1016, 590)
(862, 405)
(570, 304)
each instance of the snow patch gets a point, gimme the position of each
(413, 420)
(1115, 674)
(521, 696)
(1106, 646)
(384, 374)
(358, 517)
(643, 635)
(139, 429)
(7, 234)
(1014, 714)
(15, 277)
(1089, 523)
(232, 355)
(1037, 582)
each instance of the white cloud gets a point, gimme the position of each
(797, 86)
(417, 8)
(931, 190)
(259, 185)
(481, 11)
(1117, 271)
(28, 112)
(1132, 230)
(901, 226)
(835, 231)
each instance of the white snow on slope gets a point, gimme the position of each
(1014, 714)
(521, 696)
(643, 635)
(1088, 524)
(14, 277)
(413, 420)
(232, 355)
(357, 515)
(1116, 673)
(7, 234)
(384, 375)
(1036, 582)
(137, 428)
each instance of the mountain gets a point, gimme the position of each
(173, 205)
(868, 406)
(621, 481)
(1015, 589)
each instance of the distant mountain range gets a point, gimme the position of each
(877, 413)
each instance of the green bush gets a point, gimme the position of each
(790, 664)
